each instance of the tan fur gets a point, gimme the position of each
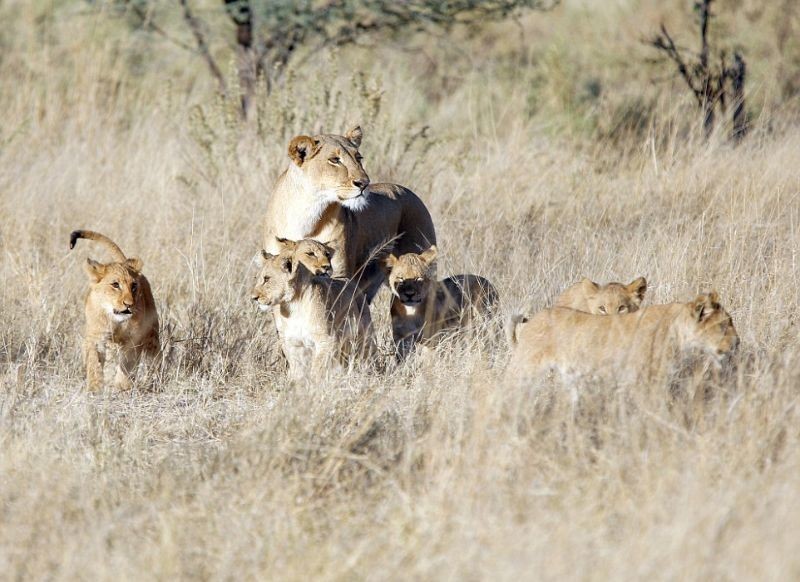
(321, 321)
(423, 308)
(313, 255)
(120, 310)
(326, 194)
(609, 299)
(629, 347)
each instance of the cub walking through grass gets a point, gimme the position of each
(631, 347)
(424, 308)
(320, 321)
(120, 310)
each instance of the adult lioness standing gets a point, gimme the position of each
(326, 194)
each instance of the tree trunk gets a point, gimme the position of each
(738, 73)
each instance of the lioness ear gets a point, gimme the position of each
(430, 255)
(638, 287)
(302, 148)
(134, 263)
(704, 305)
(286, 243)
(589, 284)
(354, 135)
(94, 269)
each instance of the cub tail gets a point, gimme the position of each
(512, 325)
(119, 256)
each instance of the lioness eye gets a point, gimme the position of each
(335, 161)
(309, 254)
(115, 284)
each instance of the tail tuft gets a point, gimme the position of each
(512, 325)
(73, 238)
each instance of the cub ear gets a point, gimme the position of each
(302, 148)
(267, 256)
(95, 270)
(389, 261)
(589, 285)
(134, 263)
(637, 288)
(704, 306)
(354, 135)
(286, 243)
(430, 255)
(286, 265)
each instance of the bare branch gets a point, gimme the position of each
(195, 25)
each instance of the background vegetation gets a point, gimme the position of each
(548, 146)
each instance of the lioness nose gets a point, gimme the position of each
(361, 183)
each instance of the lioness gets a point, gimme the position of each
(628, 347)
(320, 320)
(609, 299)
(423, 307)
(326, 194)
(119, 310)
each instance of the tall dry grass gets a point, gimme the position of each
(217, 468)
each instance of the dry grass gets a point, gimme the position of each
(218, 468)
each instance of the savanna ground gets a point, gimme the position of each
(553, 150)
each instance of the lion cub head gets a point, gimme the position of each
(276, 280)
(412, 275)
(115, 286)
(711, 327)
(332, 166)
(609, 299)
(313, 255)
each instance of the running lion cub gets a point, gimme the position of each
(319, 320)
(609, 299)
(120, 310)
(423, 308)
(628, 347)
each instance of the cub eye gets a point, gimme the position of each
(328, 255)
(335, 161)
(115, 284)
(622, 309)
(309, 254)
(265, 280)
(602, 309)
(359, 158)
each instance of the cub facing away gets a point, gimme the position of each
(423, 307)
(609, 299)
(320, 321)
(629, 347)
(120, 311)
(326, 194)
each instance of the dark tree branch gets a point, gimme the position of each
(196, 27)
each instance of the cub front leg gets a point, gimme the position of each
(128, 360)
(94, 357)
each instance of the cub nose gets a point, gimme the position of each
(361, 184)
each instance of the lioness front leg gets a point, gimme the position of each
(94, 357)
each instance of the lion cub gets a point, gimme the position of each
(120, 310)
(320, 320)
(629, 347)
(609, 299)
(312, 254)
(423, 307)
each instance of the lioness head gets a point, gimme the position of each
(313, 255)
(332, 166)
(411, 275)
(711, 328)
(614, 298)
(115, 286)
(274, 284)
